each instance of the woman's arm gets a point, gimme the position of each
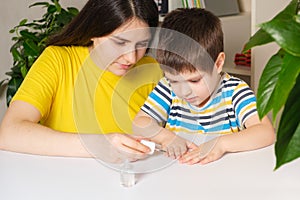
(20, 132)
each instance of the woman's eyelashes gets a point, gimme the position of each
(120, 42)
(143, 44)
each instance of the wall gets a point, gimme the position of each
(11, 13)
(263, 11)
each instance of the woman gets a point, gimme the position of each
(82, 65)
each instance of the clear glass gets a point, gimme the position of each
(127, 175)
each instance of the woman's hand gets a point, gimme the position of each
(204, 153)
(127, 147)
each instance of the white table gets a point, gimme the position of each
(239, 176)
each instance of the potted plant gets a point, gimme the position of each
(279, 84)
(30, 40)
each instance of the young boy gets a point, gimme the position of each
(195, 96)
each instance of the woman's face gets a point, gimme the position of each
(121, 49)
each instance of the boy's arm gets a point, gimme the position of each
(258, 134)
(146, 127)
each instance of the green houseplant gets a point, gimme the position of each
(30, 40)
(279, 84)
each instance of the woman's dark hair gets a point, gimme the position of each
(101, 17)
(190, 39)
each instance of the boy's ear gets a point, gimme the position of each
(220, 62)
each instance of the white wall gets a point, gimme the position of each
(262, 11)
(11, 13)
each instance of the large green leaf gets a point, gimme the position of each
(285, 30)
(287, 147)
(290, 70)
(267, 83)
(259, 38)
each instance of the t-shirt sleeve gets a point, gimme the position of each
(159, 102)
(38, 87)
(244, 103)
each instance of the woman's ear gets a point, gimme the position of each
(220, 62)
(93, 40)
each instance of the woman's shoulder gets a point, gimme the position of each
(66, 50)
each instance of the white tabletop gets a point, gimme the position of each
(240, 176)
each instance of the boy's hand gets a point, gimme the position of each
(176, 146)
(204, 153)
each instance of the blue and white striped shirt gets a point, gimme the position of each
(225, 112)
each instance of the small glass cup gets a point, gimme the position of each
(127, 175)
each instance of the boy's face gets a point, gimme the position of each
(194, 87)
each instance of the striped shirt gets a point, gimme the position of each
(226, 111)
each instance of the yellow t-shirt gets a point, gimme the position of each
(73, 94)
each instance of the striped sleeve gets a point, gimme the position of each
(244, 103)
(159, 101)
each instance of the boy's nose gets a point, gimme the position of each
(185, 90)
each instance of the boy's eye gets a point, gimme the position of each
(195, 81)
(171, 81)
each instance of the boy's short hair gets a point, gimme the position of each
(190, 39)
